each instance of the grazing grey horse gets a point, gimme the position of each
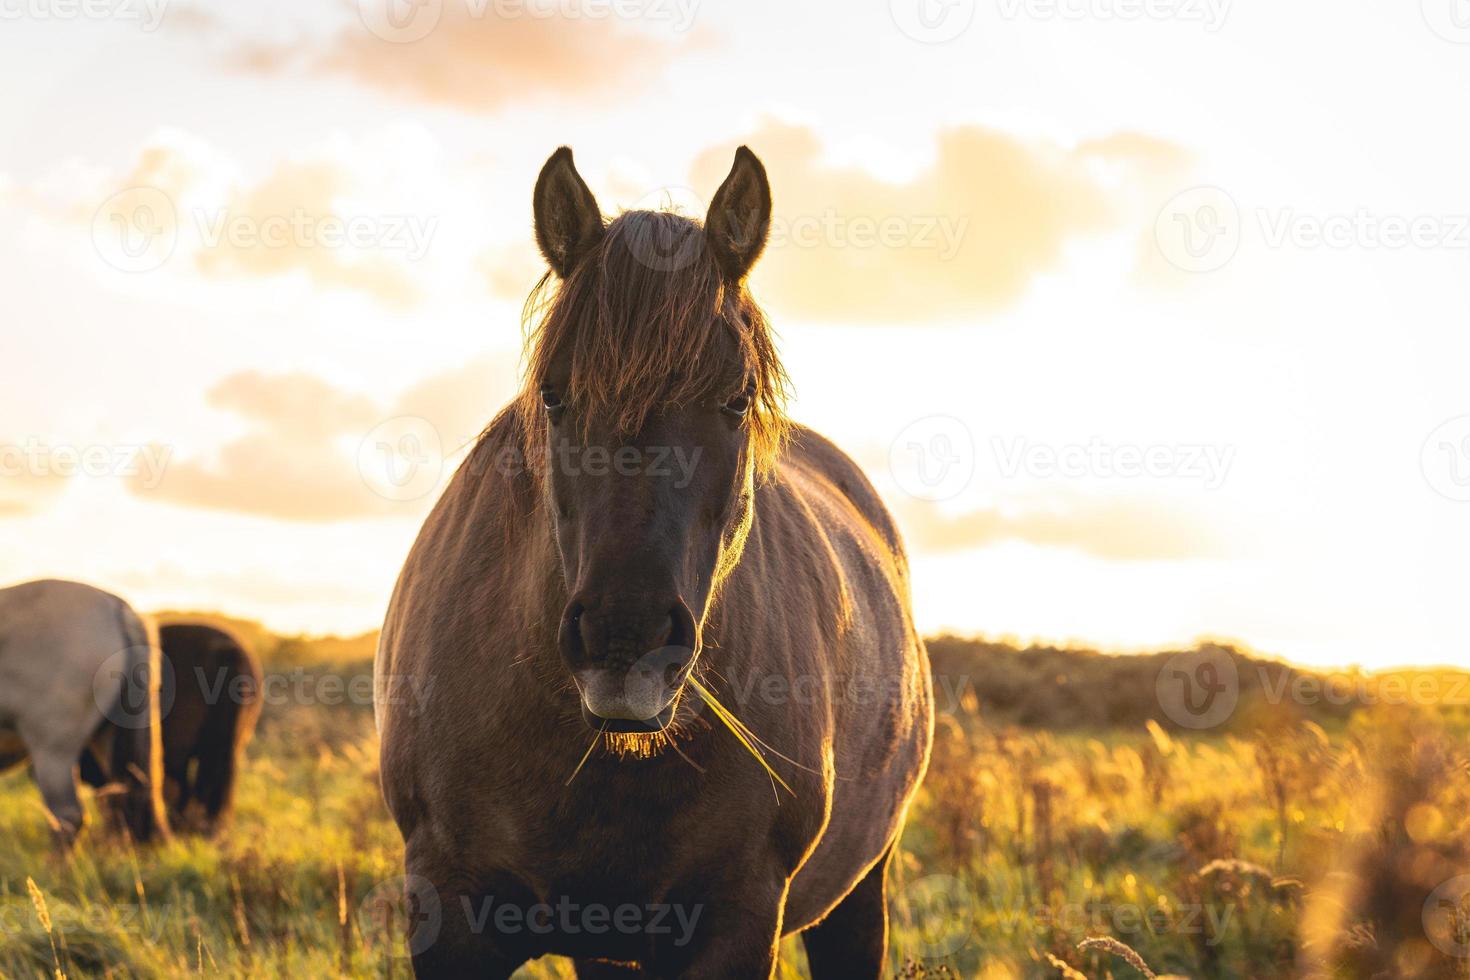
(80, 677)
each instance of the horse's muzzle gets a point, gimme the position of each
(629, 658)
(638, 698)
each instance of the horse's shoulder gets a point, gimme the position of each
(811, 459)
(488, 497)
(497, 462)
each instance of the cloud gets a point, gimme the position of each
(477, 57)
(300, 407)
(289, 465)
(965, 236)
(1120, 529)
(462, 400)
(359, 216)
(295, 220)
(23, 492)
(309, 455)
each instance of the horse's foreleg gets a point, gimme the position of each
(733, 934)
(852, 941)
(460, 956)
(177, 792)
(452, 931)
(56, 777)
(447, 942)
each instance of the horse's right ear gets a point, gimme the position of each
(568, 222)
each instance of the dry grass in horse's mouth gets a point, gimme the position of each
(639, 745)
(645, 745)
(744, 735)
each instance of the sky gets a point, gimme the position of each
(1147, 317)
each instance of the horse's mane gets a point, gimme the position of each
(645, 320)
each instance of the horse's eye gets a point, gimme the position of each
(739, 405)
(550, 398)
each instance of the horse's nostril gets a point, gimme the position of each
(573, 645)
(597, 631)
(681, 627)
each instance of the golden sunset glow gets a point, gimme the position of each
(1147, 329)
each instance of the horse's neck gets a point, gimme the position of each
(542, 594)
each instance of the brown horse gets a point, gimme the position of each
(673, 555)
(214, 686)
(205, 732)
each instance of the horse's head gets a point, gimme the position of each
(653, 401)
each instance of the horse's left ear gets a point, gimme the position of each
(739, 217)
(568, 221)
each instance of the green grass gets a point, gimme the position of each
(1211, 856)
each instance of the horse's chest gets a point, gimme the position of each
(613, 851)
(605, 842)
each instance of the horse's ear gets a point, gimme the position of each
(739, 217)
(568, 222)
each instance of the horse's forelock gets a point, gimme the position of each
(647, 320)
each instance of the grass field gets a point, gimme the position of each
(1289, 843)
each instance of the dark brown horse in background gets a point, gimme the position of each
(213, 703)
(640, 526)
(211, 721)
